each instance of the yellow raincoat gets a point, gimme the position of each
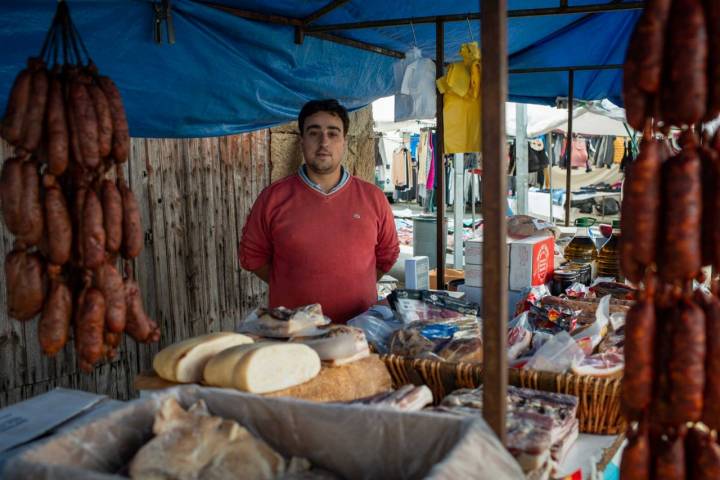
(460, 88)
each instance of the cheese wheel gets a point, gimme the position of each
(219, 369)
(263, 367)
(184, 362)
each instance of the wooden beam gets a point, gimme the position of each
(439, 158)
(349, 42)
(494, 209)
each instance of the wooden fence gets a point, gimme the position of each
(195, 195)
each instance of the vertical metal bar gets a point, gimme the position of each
(458, 210)
(568, 149)
(439, 164)
(521, 160)
(494, 208)
(550, 169)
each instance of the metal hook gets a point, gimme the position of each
(412, 27)
(472, 38)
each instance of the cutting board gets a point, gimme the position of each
(359, 379)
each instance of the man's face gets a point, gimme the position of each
(323, 142)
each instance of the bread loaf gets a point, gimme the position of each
(184, 361)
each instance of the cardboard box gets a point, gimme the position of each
(532, 262)
(474, 248)
(417, 273)
(474, 294)
(366, 443)
(450, 275)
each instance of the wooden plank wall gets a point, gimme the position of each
(195, 195)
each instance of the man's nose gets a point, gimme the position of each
(325, 138)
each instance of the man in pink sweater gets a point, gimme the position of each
(321, 235)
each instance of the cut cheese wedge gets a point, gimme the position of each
(185, 361)
(263, 367)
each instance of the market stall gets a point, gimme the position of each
(257, 367)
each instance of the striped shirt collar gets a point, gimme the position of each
(344, 177)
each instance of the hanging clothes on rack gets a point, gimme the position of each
(461, 102)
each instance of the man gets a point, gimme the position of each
(321, 235)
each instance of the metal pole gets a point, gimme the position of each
(568, 149)
(550, 170)
(439, 164)
(458, 210)
(521, 159)
(494, 208)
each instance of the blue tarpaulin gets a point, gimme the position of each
(227, 74)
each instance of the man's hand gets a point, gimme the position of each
(263, 273)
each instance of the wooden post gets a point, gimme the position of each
(568, 148)
(494, 208)
(439, 163)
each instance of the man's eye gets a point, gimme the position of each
(333, 134)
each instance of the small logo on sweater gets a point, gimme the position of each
(356, 216)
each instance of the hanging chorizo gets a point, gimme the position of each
(711, 404)
(85, 121)
(112, 216)
(640, 209)
(132, 233)
(11, 196)
(686, 364)
(121, 135)
(648, 44)
(59, 226)
(684, 94)
(31, 208)
(680, 241)
(104, 119)
(93, 232)
(89, 337)
(57, 128)
(110, 283)
(670, 456)
(35, 114)
(54, 325)
(139, 325)
(639, 356)
(17, 107)
(25, 284)
(635, 463)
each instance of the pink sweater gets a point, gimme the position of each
(321, 248)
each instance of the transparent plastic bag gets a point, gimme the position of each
(379, 324)
(557, 355)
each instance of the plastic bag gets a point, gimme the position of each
(415, 85)
(557, 355)
(590, 337)
(283, 322)
(523, 226)
(577, 290)
(379, 324)
(429, 306)
(519, 336)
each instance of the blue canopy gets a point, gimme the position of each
(227, 74)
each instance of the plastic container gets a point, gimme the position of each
(582, 248)
(609, 256)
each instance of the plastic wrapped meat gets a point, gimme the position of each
(529, 437)
(613, 341)
(560, 408)
(429, 306)
(518, 339)
(408, 398)
(450, 340)
(284, 322)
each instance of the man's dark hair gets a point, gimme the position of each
(331, 106)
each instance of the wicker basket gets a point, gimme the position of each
(599, 398)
